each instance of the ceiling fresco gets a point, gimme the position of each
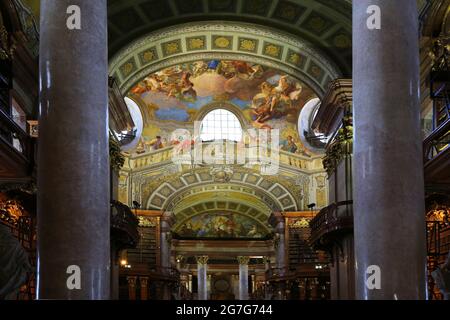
(221, 225)
(265, 98)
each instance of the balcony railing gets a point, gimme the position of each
(303, 270)
(330, 222)
(249, 155)
(153, 272)
(124, 226)
(437, 142)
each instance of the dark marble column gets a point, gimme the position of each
(73, 161)
(388, 170)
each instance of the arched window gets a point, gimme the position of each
(221, 124)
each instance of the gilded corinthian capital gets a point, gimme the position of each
(202, 260)
(243, 260)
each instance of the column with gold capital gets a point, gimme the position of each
(202, 267)
(243, 277)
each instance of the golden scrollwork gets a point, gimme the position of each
(147, 222)
(202, 260)
(295, 58)
(272, 50)
(117, 160)
(440, 52)
(6, 48)
(222, 42)
(196, 43)
(127, 68)
(148, 56)
(300, 224)
(341, 147)
(439, 214)
(10, 211)
(248, 45)
(172, 47)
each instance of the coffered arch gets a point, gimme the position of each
(324, 23)
(271, 194)
(215, 202)
(223, 41)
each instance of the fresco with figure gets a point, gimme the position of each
(221, 225)
(267, 98)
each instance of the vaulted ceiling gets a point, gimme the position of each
(326, 24)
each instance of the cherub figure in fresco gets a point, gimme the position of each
(151, 83)
(140, 148)
(171, 89)
(286, 92)
(199, 68)
(289, 145)
(240, 69)
(275, 102)
(253, 232)
(181, 88)
(264, 106)
(261, 106)
(243, 69)
(187, 86)
(263, 113)
(230, 228)
(258, 72)
(225, 69)
(156, 144)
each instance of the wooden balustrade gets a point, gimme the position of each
(141, 277)
(304, 283)
(124, 226)
(330, 222)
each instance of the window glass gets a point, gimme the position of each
(221, 124)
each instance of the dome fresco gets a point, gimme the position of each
(264, 98)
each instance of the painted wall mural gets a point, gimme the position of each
(267, 99)
(220, 226)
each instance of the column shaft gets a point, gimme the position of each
(281, 248)
(243, 277)
(132, 288)
(202, 278)
(144, 288)
(388, 169)
(73, 161)
(167, 221)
